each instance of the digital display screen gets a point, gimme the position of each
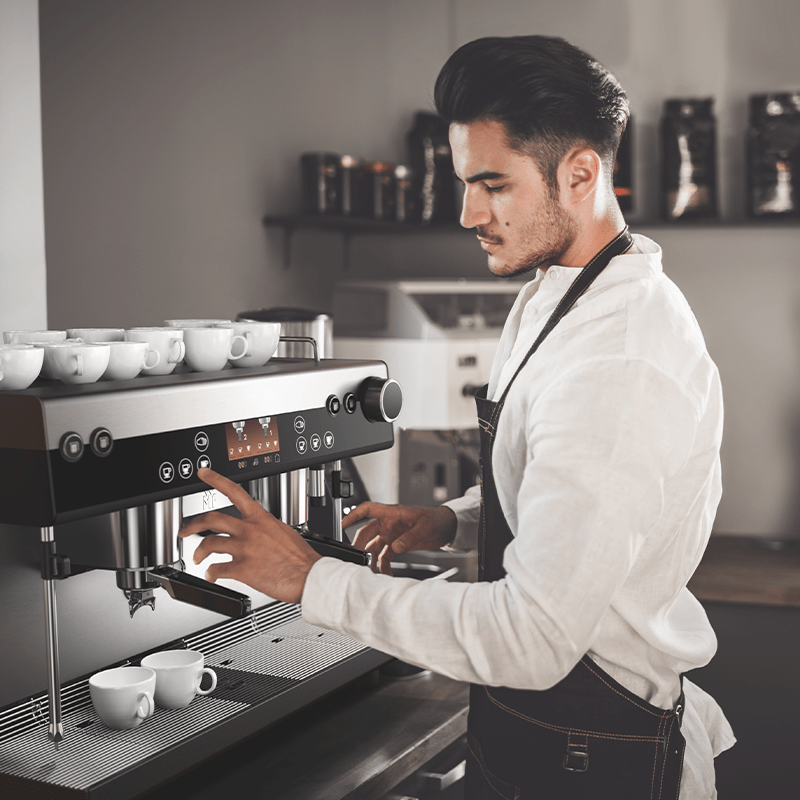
(252, 438)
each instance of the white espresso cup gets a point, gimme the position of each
(128, 359)
(73, 361)
(193, 323)
(33, 337)
(262, 341)
(20, 365)
(36, 337)
(178, 676)
(209, 349)
(123, 697)
(167, 342)
(97, 334)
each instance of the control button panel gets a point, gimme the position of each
(108, 470)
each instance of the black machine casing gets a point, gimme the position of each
(71, 453)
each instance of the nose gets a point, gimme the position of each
(475, 212)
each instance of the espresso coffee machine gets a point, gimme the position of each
(103, 475)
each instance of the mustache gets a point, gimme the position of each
(489, 238)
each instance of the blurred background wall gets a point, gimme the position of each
(171, 127)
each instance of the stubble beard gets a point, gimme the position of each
(549, 235)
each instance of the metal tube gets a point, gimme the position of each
(338, 534)
(56, 727)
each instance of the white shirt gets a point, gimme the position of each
(607, 469)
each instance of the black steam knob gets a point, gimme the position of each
(381, 399)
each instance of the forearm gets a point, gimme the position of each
(469, 632)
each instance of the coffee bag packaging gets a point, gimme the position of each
(689, 159)
(773, 156)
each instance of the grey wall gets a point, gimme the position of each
(23, 300)
(171, 128)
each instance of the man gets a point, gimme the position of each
(600, 426)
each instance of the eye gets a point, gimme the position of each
(494, 189)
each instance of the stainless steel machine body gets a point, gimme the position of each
(126, 454)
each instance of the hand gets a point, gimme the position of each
(398, 529)
(268, 555)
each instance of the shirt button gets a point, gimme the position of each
(553, 273)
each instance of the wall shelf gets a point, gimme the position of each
(348, 227)
(353, 226)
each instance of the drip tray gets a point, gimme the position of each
(267, 666)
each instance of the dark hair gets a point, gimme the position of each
(549, 95)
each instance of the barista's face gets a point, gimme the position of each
(519, 224)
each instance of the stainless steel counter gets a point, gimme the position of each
(356, 744)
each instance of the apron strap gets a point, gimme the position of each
(618, 245)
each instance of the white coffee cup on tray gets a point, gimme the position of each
(97, 334)
(20, 365)
(168, 342)
(178, 676)
(128, 359)
(73, 361)
(262, 341)
(33, 337)
(193, 323)
(123, 697)
(36, 337)
(210, 349)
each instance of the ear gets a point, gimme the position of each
(579, 174)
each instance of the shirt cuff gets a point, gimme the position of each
(468, 511)
(324, 596)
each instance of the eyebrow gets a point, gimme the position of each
(484, 176)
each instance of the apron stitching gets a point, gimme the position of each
(680, 771)
(632, 702)
(664, 764)
(655, 760)
(488, 780)
(562, 729)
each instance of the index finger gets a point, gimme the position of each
(235, 493)
(362, 511)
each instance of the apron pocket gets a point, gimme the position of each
(480, 782)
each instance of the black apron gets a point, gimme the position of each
(587, 737)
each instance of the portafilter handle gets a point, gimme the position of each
(198, 592)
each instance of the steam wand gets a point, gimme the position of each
(53, 567)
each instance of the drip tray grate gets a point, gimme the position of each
(91, 752)
(274, 652)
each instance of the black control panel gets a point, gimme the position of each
(143, 469)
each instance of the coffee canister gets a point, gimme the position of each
(773, 156)
(380, 188)
(689, 159)
(431, 160)
(352, 199)
(407, 205)
(319, 173)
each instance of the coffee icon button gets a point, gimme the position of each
(166, 472)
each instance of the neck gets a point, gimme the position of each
(592, 235)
